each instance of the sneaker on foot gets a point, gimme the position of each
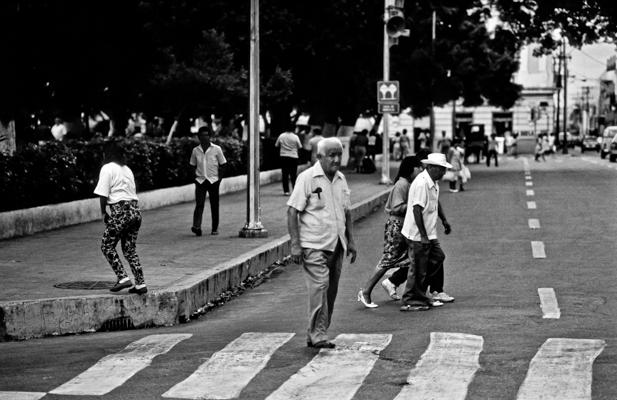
(436, 303)
(138, 289)
(453, 190)
(196, 231)
(390, 289)
(443, 297)
(121, 284)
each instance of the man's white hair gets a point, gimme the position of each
(327, 143)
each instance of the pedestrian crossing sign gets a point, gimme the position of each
(388, 92)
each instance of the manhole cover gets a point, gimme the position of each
(85, 285)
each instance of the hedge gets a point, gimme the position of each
(55, 172)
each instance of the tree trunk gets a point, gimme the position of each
(7, 137)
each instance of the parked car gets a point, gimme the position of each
(590, 142)
(607, 138)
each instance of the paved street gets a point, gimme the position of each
(533, 316)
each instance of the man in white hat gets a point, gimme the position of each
(420, 229)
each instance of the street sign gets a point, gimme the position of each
(388, 92)
(392, 108)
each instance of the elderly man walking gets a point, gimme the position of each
(420, 229)
(320, 226)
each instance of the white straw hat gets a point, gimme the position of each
(437, 159)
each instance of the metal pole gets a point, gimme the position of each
(385, 159)
(432, 116)
(557, 111)
(253, 227)
(565, 98)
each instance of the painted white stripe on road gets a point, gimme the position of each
(561, 370)
(534, 223)
(530, 192)
(527, 177)
(113, 370)
(335, 374)
(529, 183)
(229, 370)
(21, 395)
(531, 205)
(446, 368)
(548, 303)
(537, 249)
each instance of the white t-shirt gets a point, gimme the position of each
(116, 182)
(207, 163)
(425, 193)
(289, 143)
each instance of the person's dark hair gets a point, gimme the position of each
(406, 168)
(422, 154)
(204, 129)
(114, 152)
(316, 131)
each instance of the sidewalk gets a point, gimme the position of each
(183, 272)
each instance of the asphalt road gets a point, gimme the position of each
(479, 347)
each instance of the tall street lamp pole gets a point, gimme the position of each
(432, 115)
(385, 159)
(253, 227)
(565, 98)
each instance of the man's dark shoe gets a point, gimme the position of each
(119, 286)
(141, 290)
(196, 231)
(323, 344)
(214, 233)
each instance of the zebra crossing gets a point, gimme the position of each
(561, 369)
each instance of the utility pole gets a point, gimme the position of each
(253, 227)
(565, 98)
(557, 109)
(432, 116)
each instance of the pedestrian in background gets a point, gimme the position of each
(317, 136)
(58, 129)
(539, 150)
(288, 143)
(116, 190)
(405, 145)
(321, 230)
(420, 228)
(395, 249)
(372, 145)
(360, 148)
(492, 151)
(208, 159)
(455, 157)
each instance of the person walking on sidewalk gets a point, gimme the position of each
(492, 151)
(455, 157)
(208, 159)
(321, 229)
(420, 228)
(395, 250)
(289, 143)
(116, 189)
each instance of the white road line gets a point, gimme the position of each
(534, 223)
(529, 183)
(530, 192)
(229, 370)
(561, 370)
(548, 303)
(446, 368)
(22, 395)
(537, 249)
(115, 369)
(531, 205)
(335, 374)
(527, 177)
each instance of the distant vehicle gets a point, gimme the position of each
(474, 141)
(613, 150)
(607, 138)
(590, 142)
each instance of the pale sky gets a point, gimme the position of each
(587, 64)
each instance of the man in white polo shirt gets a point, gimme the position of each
(207, 158)
(420, 229)
(289, 144)
(320, 226)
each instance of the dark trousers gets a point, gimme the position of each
(428, 270)
(211, 189)
(491, 153)
(399, 276)
(289, 167)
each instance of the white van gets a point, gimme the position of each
(607, 138)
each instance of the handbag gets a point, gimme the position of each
(465, 174)
(449, 176)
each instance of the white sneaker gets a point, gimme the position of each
(390, 289)
(453, 190)
(443, 297)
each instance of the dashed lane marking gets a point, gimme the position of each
(229, 370)
(113, 370)
(548, 303)
(537, 249)
(534, 223)
(531, 205)
(335, 374)
(21, 395)
(529, 183)
(561, 369)
(530, 192)
(446, 368)
(527, 177)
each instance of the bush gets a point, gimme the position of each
(56, 172)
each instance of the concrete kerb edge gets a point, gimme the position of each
(20, 320)
(44, 218)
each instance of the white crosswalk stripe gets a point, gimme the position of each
(446, 368)
(229, 370)
(534, 223)
(531, 205)
(335, 374)
(537, 249)
(529, 183)
(113, 370)
(548, 303)
(22, 395)
(530, 192)
(561, 370)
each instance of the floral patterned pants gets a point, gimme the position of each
(122, 226)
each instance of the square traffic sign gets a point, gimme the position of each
(388, 92)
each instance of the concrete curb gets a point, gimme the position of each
(44, 218)
(20, 320)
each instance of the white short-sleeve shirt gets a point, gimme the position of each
(321, 205)
(207, 163)
(425, 193)
(117, 183)
(289, 144)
